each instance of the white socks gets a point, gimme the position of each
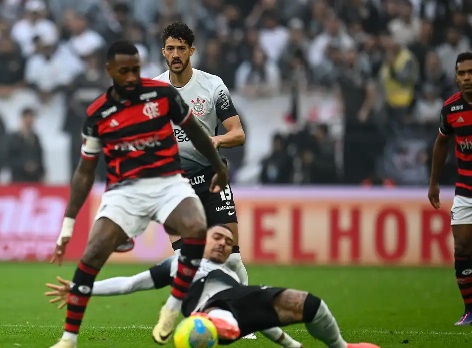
(173, 303)
(324, 327)
(235, 263)
(69, 336)
(276, 335)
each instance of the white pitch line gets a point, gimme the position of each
(362, 331)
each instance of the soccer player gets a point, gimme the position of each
(456, 121)
(211, 103)
(131, 124)
(235, 309)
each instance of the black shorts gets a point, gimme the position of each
(252, 306)
(219, 207)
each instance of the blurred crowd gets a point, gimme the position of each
(390, 62)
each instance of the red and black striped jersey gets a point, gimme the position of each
(456, 119)
(136, 136)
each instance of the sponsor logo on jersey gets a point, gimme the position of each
(466, 144)
(225, 207)
(180, 135)
(223, 100)
(109, 111)
(457, 107)
(197, 180)
(147, 96)
(138, 144)
(199, 107)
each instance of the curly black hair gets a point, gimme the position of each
(178, 30)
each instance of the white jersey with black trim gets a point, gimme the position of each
(210, 102)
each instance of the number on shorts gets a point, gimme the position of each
(226, 194)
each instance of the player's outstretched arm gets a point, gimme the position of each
(440, 151)
(107, 287)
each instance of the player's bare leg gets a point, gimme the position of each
(188, 219)
(293, 306)
(463, 267)
(105, 236)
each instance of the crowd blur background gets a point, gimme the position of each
(330, 92)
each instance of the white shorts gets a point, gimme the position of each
(132, 206)
(461, 211)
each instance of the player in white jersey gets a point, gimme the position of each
(235, 309)
(211, 103)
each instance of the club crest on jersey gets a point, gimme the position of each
(151, 109)
(199, 107)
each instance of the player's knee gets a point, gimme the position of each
(194, 227)
(310, 307)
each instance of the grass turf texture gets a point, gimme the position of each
(393, 307)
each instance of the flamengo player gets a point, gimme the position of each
(131, 124)
(211, 103)
(456, 121)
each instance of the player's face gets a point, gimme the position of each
(177, 54)
(464, 76)
(125, 71)
(219, 244)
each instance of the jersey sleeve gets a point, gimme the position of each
(444, 126)
(91, 144)
(179, 111)
(223, 104)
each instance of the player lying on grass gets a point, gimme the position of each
(235, 309)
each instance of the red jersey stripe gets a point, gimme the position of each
(464, 172)
(97, 104)
(453, 98)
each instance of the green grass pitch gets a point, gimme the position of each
(393, 307)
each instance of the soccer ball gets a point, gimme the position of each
(196, 332)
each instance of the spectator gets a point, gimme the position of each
(25, 153)
(398, 75)
(52, 69)
(86, 87)
(82, 40)
(273, 36)
(277, 167)
(406, 27)
(448, 51)
(258, 77)
(428, 105)
(421, 46)
(33, 25)
(333, 33)
(12, 63)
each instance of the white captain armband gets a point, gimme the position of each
(91, 147)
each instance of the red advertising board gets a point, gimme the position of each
(31, 219)
(276, 225)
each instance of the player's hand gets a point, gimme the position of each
(59, 252)
(60, 291)
(216, 142)
(433, 195)
(219, 180)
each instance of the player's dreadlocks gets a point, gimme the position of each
(178, 30)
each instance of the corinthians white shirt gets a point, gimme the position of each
(210, 102)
